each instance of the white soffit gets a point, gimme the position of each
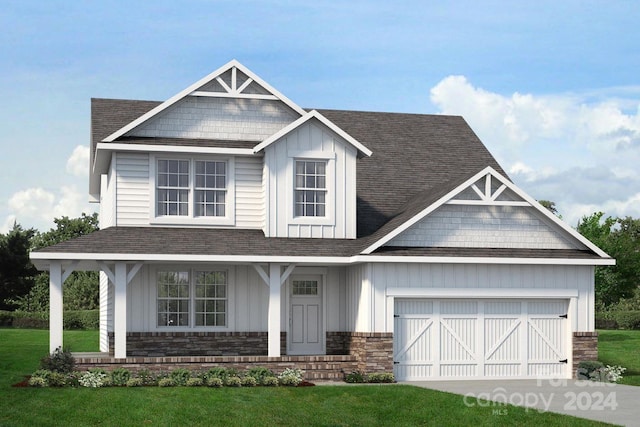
(194, 87)
(469, 183)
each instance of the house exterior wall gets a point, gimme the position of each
(373, 308)
(311, 141)
(483, 226)
(132, 188)
(218, 118)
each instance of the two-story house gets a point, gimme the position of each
(238, 228)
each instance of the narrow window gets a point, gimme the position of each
(210, 188)
(310, 188)
(211, 298)
(173, 187)
(173, 298)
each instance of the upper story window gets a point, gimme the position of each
(310, 188)
(191, 188)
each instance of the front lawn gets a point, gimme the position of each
(621, 348)
(368, 405)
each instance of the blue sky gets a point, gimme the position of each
(550, 87)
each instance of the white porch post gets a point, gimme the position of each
(55, 305)
(274, 310)
(120, 311)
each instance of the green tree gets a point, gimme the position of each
(16, 270)
(551, 206)
(81, 290)
(620, 238)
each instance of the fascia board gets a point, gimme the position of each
(149, 148)
(177, 97)
(302, 120)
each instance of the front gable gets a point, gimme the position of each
(486, 211)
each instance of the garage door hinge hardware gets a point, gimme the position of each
(396, 315)
(564, 316)
(564, 361)
(396, 363)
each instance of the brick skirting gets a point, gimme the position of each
(585, 347)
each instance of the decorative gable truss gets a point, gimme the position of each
(486, 211)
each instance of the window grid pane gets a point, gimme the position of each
(210, 188)
(305, 287)
(211, 298)
(173, 187)
(173, 298)
(310, 188)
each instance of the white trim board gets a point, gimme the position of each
(475, 293)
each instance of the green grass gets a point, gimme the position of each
(388, 405)
(621, 348)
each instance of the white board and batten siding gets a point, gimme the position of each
(311, 141)
(132, 187)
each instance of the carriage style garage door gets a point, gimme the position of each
(444, 339)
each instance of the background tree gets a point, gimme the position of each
(81, 290)
(16, 271)
(620, 238)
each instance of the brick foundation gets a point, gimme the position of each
(373, 350)
(585, 347)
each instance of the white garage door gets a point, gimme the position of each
(442, 339)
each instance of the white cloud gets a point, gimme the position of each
(78, 163)
(579, 151)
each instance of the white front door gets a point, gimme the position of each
(306, 332)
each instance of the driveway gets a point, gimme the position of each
(611, 403)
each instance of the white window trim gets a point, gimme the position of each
(230, 207)
(330, 209)
(192, 315)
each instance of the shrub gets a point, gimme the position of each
(290, 377)
(194, 382)
(381, 377)
(628, 319)
(166, 382)
(147, 377)
(93, 378)
(270, 382)
(214, 382)
(585, 368)
(6, 318)
(38, 382)
(259, 374)
(59, 361)
(180, 376)
(233, 381)
(249, 382)
(217, 372)
(135, 382)
(607, 374)
(81, 319)
(354, 377)
(120, 376)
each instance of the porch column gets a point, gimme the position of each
(55, 305)
(120, 311)
(274, 310)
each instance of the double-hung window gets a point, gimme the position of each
(310, 188)
(192, 188)
(187, 298)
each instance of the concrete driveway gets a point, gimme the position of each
(611, 403)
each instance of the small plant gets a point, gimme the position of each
(214, 382)
(59, 361)
(270, 382)
(585, 368)
(381, 377)
(93, 379)
(57, 379)
(233, 381)
(220, 373)
(249, 382)
(290, 377)
(194, 382)
(120, 376)
(38, 382)
(354, 377)
(260, 374)
(180, 376)
(135, 382)
(610, 374)
(166, 382)
(147, 377)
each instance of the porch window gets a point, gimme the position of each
(183, 292)
(310, 188)
(191, 188)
